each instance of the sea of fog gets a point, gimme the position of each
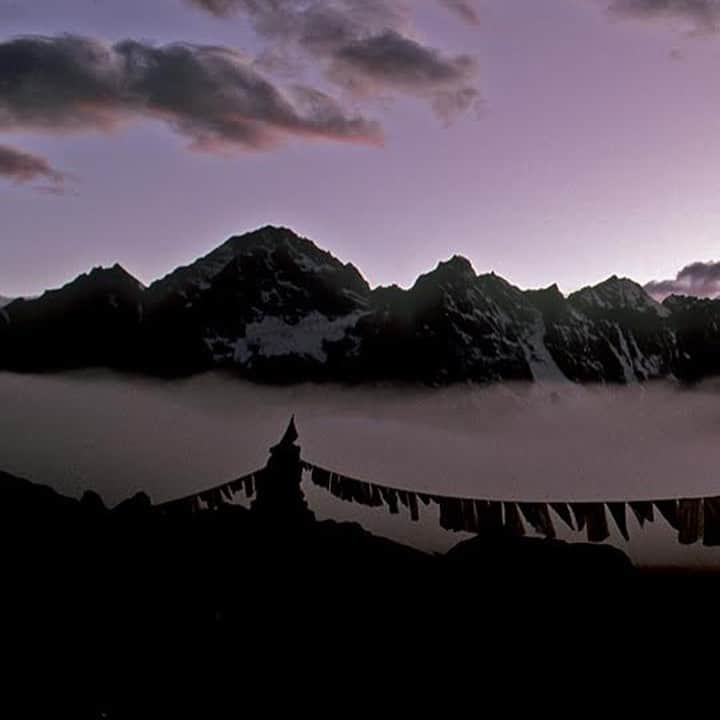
(118, 434)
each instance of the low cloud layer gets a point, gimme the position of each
(118, 435)
(366, 47)
(211, 95)
(699, 279)
(21, 167)
(704, 15)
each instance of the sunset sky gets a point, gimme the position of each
(547, 140)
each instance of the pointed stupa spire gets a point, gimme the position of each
(291, 434)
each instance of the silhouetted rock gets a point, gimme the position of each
(138, 504)
(21, 499)
(495, 555)
(91, 502)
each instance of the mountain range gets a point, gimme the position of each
(276, 308)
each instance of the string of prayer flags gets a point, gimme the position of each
(617, 510)
(563, 512)
(668, 509)
(538, 517)
(691, 520)
(513, 521)
(643, 510)
(591, 516)
(711, 521)
(694, 519)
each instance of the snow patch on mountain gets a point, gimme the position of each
(542, 364)
(622, 353)
(310, 265)
(274, 337)
(650, 365)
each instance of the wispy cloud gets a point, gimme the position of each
(704, 15)
(391, 60)
(22, 167)
(466, 10)
(367, 47)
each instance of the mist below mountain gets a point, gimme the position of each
(119, 434)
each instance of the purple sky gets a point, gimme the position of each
(595, 149)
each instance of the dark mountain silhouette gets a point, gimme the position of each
(87, 322)
(274, 307)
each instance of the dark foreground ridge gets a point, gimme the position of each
(274, 307)
(129, 595)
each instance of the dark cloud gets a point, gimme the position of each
(212, 95)
(391, 60)
(22, 167)
(699, 279)
(464, 9)
(293, 17)
(365, 46)
(221, 8)
(703, 14)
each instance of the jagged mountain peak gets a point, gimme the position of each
(458, 273)
(492, 282)
(99, 279)
(616, 293)
(549, 291)
(456, 270)
(458, 264)
(81, 324)
(616, 282)
(548, 300)
(271, 238)
(115, 272)
(682, 303)
(300, 250)
(266, 244)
